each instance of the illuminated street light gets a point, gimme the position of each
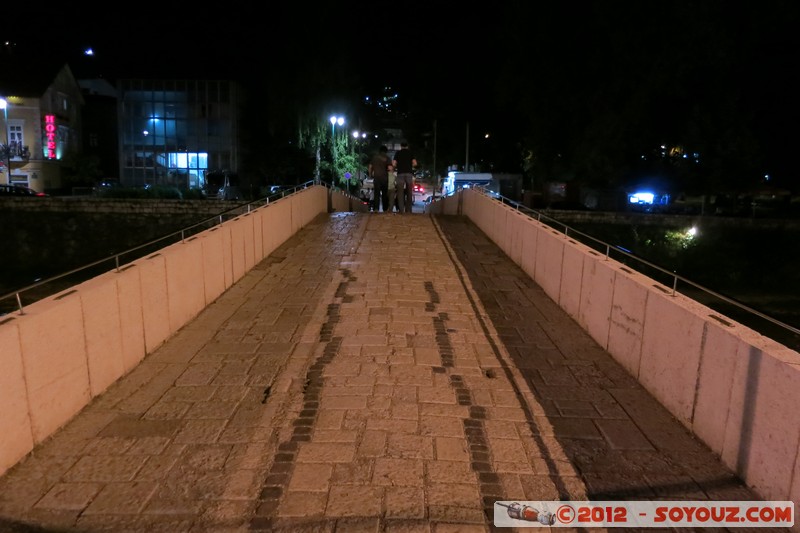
(334, 121)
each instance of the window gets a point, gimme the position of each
(17, 149)
(14, 133)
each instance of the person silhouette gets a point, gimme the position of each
(405, 163)
(378, 170)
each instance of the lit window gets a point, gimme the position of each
(15, 134)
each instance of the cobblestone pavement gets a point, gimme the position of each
(376, 373)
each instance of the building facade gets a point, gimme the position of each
(100, 130)
(42, 125)
(175, 133)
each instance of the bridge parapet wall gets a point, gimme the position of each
(70, 347)
(733, 388)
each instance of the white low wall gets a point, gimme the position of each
(341, 202)
(736, 390)
(70, 347)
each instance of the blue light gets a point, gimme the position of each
(641, 197)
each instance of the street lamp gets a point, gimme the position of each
(7, 151)
(334, 121)
(358, 136)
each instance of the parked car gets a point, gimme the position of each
(19, 191)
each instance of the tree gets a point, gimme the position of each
(311, 134)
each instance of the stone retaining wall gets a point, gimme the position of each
(47, 236)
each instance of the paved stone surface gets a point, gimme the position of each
(376, 373)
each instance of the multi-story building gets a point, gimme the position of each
(41, 114)
(141, 132)
(177, 132)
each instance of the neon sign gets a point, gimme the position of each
(50, 134)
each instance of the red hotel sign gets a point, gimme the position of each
(50, 133)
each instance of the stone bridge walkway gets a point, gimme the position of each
(376, 373)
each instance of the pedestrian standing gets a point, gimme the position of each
(392, 187)
(378, 171)
(405, 163)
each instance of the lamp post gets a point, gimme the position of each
(334, 121)
(356, 146)
(7, 151)
(358, 138)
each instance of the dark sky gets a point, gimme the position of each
(452, 57)
(390, 41)
(412, 43)
(417, 46)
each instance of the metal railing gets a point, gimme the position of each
(46, 287)
(778, 330)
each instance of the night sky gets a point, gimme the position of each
(639, 68)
